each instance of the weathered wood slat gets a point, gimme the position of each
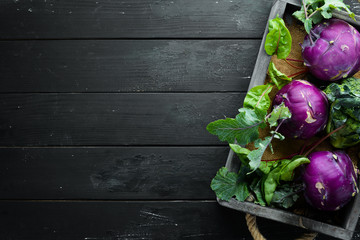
(130, 220)
(132, 19)
(127, 65)
(109, 173)
(51, 19)
(113, 119)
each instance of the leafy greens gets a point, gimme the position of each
(278, 40)
(314, 11)
(264, 179)
(345, 109)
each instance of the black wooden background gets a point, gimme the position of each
(103, 109)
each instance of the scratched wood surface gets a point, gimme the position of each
(127, 65)
(111, 119)
(103, 109)
(110, 172)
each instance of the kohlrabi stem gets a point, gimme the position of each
(311, 40)
(306, 18)
(303, 149)
(314, 145)
(297, 73)
(273, 135)
(305, 8)
(294, 60)
(287, 157)
(312, 14)
(323, 139)
(293, 65)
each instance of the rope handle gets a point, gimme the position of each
(255, 232)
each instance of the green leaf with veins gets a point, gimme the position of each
(286, 195)
(228, 184)
(300, 15)
(317, 18)
(344, 109)
(278, 40)
(255, 187)
(277, 77)
(282, 172)
(258, 98)
(317, 10)
(278, 113)
(287, 173)
(244, 128)
(256, 155)
(243, 153)
(308, 25)
(271, 181)
(329, 5)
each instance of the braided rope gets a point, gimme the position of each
(255, 232)
(253, 228)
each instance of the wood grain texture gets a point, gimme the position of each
(130, 220)
(113, 119)
(109, 173)
(127, 65)
(51, 19)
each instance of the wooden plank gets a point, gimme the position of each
(113, 119)
(130, 220)
(109, 173)
(51, 19)
(127, 65)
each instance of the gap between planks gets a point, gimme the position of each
(113, 200)
(117, 146)
(136, 92)
(126, 39)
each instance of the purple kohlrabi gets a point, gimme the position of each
(332, 50)
(308, 106)
(330, 180)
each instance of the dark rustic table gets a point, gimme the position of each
(104, 105)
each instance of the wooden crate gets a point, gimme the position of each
(283, 8)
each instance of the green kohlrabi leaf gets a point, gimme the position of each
(316, 18)
(316, 10)
(278, 40)
(256, 155)
(287, 172)
(283, 172)
(244, 127)
(300, 15)
(279, 112)
(308, 25)
(347, 136)
(258, 98)
(312, 5)
(277, 77)
(286, 195)
(241, 152)
(228, 184)
(255, 186)
(329, 5)
(271, 181)
(345, 109)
